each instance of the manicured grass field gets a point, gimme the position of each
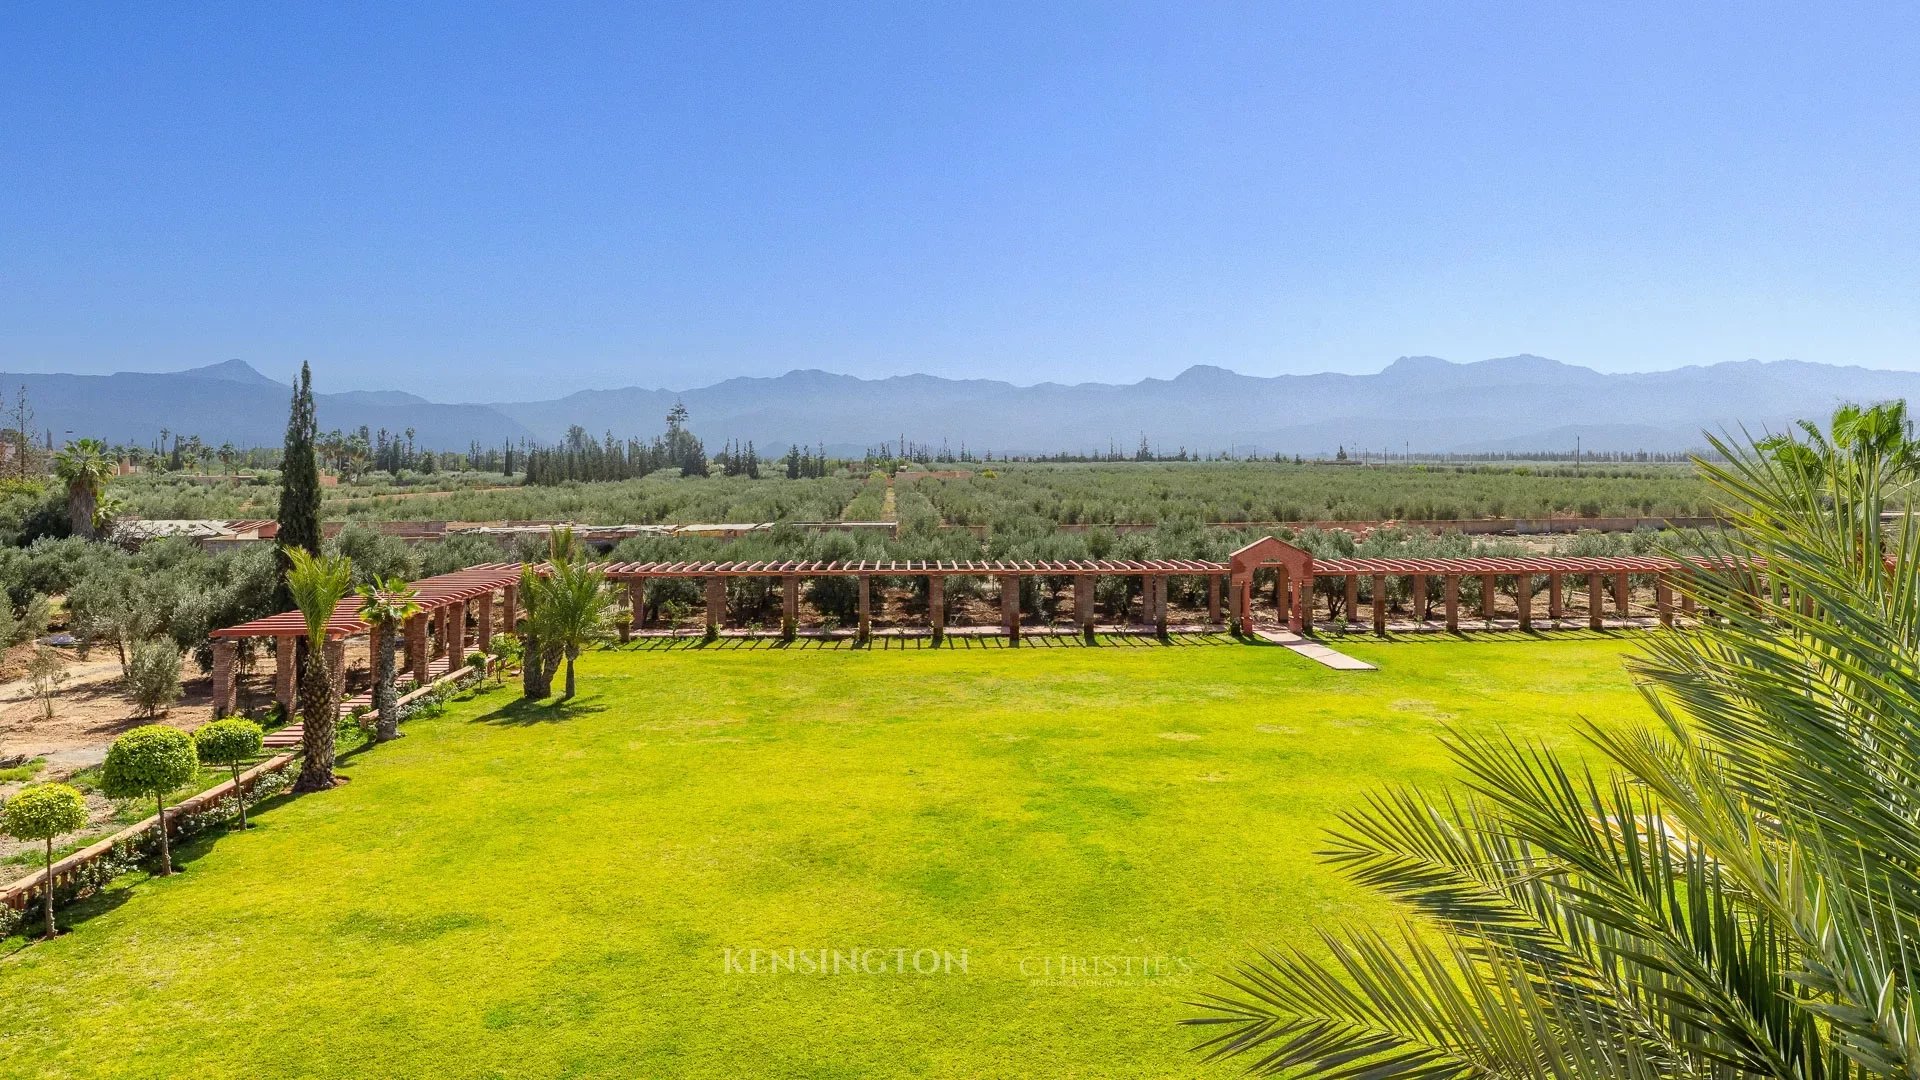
(537, 892)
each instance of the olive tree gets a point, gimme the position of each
(42, 812)
(150, 761)
(153, 676)
(232, 742)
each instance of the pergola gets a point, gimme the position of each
(436, 636)
(1008, 572)
(1296, 571)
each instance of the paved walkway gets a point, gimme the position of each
(1313, 650)
(292, 734)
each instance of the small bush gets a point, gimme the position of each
(232, 742)
(153, 676)
(43, 812)
(150, 761)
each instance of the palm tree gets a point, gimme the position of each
(1733, 891)
(387, 604)
(83, 466)
(576, 597)
(566, 605)
(318, 584)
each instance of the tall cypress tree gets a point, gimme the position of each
(299, 485)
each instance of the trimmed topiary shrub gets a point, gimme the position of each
(151, 760)
(231, 742)
(42, 812)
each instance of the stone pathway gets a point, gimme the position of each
(1313, 650)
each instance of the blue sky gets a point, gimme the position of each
(490, 202)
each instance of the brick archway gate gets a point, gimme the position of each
(1292, 589)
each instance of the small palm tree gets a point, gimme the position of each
(318, 584)
(387, 604)
(567, 604)
(83, 466)
(1732, 892)
(577, 599)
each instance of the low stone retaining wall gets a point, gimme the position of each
(22, 892)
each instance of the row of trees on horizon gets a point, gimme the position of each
(580, 457)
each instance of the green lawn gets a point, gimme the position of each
(554, 892)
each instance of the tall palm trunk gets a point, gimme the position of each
(534, 682)
(568, 695)
(80, 509)
(386, 696)
(318, 713)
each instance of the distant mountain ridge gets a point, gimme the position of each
(1422, 403)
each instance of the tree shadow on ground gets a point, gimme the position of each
(521, 713)
(73, 916)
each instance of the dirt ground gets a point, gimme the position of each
(90, 712)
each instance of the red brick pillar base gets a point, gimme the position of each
(224, 655)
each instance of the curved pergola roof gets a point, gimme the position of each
(444, 590)
(1610, 564)
(805, 568)
(1484, 564)
(431, 594)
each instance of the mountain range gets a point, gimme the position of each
(1421, 403)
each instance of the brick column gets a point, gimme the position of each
(441, 633)
(1453, 603)
(1663, 599)
(1010, 606)
(1160, 605)
(285, 671)
(1353, 599)
(1379, 587)
(937, 605)
(1622, 592)
(483, 614)
(1489, 587)
(864, 590)
(457, 636)
(716, 603)
(1556, 605)
(509, 608)
(790, 602)
(1688, 604)
(1302, 616)
(1282, 599)
(1594, 602)
(1523, 585)
(636, 601)
(417, 652)
(1083, 602)
(224, 656)
(1213, 598)
(1419, 598)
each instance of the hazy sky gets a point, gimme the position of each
(484, 202)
